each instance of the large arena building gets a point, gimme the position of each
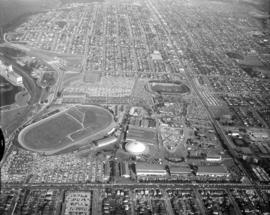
(136, 148)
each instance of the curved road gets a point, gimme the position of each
(33, 90)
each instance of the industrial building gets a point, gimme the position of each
(124, 170)
(8, 73)
(146, 169)
(180, 171)
(15, 78)
(146, 135)
(215, 171)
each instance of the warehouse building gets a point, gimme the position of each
(180, 171)
(106, 171)
(214, 171)
(124, 169)
(146, 169)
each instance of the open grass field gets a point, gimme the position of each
(76, 126)
(51, 133)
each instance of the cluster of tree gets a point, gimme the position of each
(80, 1)
(49, 79)
(11, 52)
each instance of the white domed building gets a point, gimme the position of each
(136, 148)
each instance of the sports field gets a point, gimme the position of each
(77, 126)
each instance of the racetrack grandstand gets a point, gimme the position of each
(67, 130)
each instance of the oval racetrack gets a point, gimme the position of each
(72, 128)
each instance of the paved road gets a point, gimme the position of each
(28, 114)
(134, 186)
(33, 90)
(227, 141)
(28, 81)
